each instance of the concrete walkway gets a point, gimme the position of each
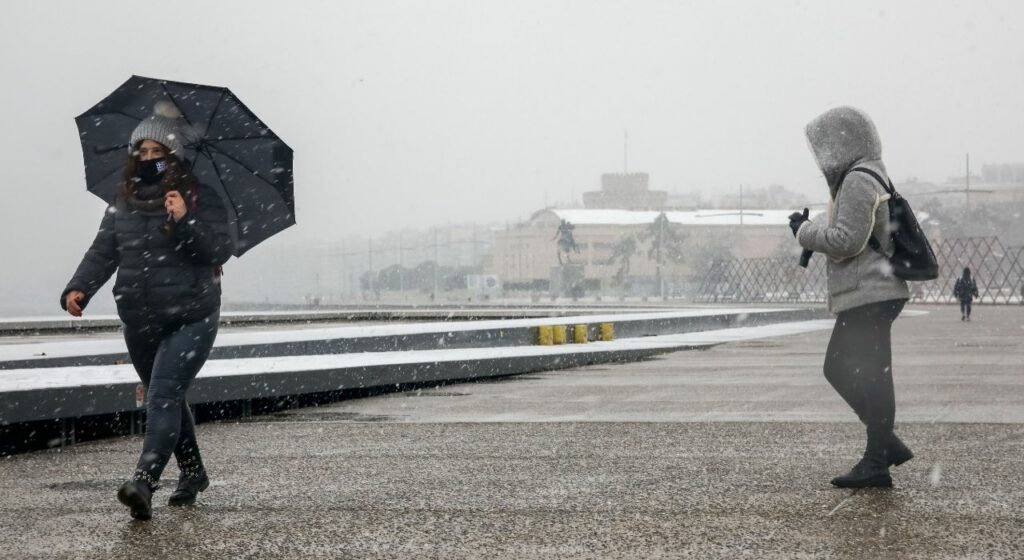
(723, 453)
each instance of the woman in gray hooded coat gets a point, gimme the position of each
(862, 290)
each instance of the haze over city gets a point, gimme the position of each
(413, 115)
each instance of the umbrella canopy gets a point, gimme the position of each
(226, 147)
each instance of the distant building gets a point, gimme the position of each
(332, 271)
(953, 192)
(525, 253)
(628, 191)
(772, 196)
(1003, 173)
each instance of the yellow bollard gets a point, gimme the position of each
(544, 335)
(606, 332)
(579, 334)
(558, 334)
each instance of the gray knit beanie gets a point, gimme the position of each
(163, 127)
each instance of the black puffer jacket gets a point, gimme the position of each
(161, 278)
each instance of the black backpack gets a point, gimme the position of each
(912, 258)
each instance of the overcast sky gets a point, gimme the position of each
(419, 113)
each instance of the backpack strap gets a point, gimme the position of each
(887, 186)
(872, 242)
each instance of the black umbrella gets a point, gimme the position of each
(226, 147)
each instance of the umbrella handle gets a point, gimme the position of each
(805, 257)
(168, 226)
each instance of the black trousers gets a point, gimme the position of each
(965, 307)
(858, 362)
(167, 359)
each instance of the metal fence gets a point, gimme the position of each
(997, 270)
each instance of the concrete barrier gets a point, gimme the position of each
(412, 336)
(83, 380)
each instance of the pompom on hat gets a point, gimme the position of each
(162, 126)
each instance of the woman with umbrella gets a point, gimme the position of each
(166, 235)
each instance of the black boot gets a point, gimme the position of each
(897, 452)
(865, 474)
(190, 484)
(137, 494)
(872, 471)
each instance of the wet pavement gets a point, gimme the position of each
(723, 453)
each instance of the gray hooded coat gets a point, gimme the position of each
(841, 139)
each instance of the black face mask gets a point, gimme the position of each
(151, 171)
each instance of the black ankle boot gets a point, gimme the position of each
(189, 486)
(868, 473)
(872, 471)
(137, 494)
(897, 452)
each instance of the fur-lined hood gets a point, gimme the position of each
(840, 139)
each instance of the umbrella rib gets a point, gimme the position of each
(112, 148)
(273, 138)
(104, 113)
(107, 176)
(216, 109)
(163, 86)
(97, 150)
(244, 166)
(234, 209)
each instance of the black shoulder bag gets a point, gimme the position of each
(912, 258)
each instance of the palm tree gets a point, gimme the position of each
(666, 246)
(565, 241)
(622, 252)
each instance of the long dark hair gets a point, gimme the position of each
(176, 178)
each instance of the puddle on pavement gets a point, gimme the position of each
(756, 344)
(85, 485)
(506, 379)
(318, 417)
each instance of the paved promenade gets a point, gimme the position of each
(720, 453)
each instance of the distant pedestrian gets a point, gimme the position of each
(166, 236)
(965, 290)
(862, 289)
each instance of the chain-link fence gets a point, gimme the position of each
(997, 270)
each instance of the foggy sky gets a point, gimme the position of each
(420, 113)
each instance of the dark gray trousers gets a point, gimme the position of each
(858, 363)
(167, 359)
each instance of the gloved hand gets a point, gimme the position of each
(796, 219)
